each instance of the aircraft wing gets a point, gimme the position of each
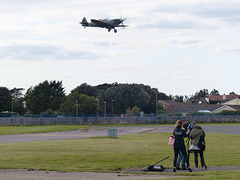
(122, 25)
(100, 23)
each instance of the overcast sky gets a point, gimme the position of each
(178, 47)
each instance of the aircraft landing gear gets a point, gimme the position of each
(109, 29)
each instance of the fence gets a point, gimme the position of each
(85, 119)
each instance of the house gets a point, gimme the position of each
(235, 101)
(201, 101)
(224, 108)
(171, 106)
(220, 99)
(198, 108)
(209, 104)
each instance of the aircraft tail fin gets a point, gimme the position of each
(84, 22)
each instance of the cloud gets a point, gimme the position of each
(217, 9)
(229, 49)
(47, 34)
(43, 52)
(185, 41)
(196, 15)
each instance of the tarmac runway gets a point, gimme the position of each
(103, 131)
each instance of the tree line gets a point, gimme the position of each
(49, 97)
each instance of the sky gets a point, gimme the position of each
(178, 47)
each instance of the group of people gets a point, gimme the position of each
(183, 133)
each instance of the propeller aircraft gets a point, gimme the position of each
(109, 24)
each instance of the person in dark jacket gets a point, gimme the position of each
(195, 136)
(179, 144)
(180, 157)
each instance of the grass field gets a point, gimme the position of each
(107, 154)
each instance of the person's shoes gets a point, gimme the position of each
(204, 168)
(178, 168)
(190, 170)
(184, 168)
(174, 169)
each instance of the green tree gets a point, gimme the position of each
(78, 103)
(178, 98)
(132, 111)
(5, 99)
(124, 96)
(18, 106)
(154, 95)
(160, 108)
(45, 96)
(106, 86)
(18, 100)
(57, 95)
(201, 93)
(119, 97)
(214, 92)
(86, 89)
(17, 92)
(163, 96)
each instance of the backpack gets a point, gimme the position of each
(202, 143)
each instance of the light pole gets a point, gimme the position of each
(12, 109)
(156, 105)
(77, 108)
(105, 107)
(97, 106)
(112, 107)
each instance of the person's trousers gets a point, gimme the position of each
(201, 157)
(181, 158)
(177, 148)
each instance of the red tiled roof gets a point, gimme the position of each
(176, 107)
(220, 97)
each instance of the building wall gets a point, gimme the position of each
(233, 102)
(225, 108)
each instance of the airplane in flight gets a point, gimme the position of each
(104, 23)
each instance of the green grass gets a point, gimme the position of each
(104, 154)
(108, 154)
